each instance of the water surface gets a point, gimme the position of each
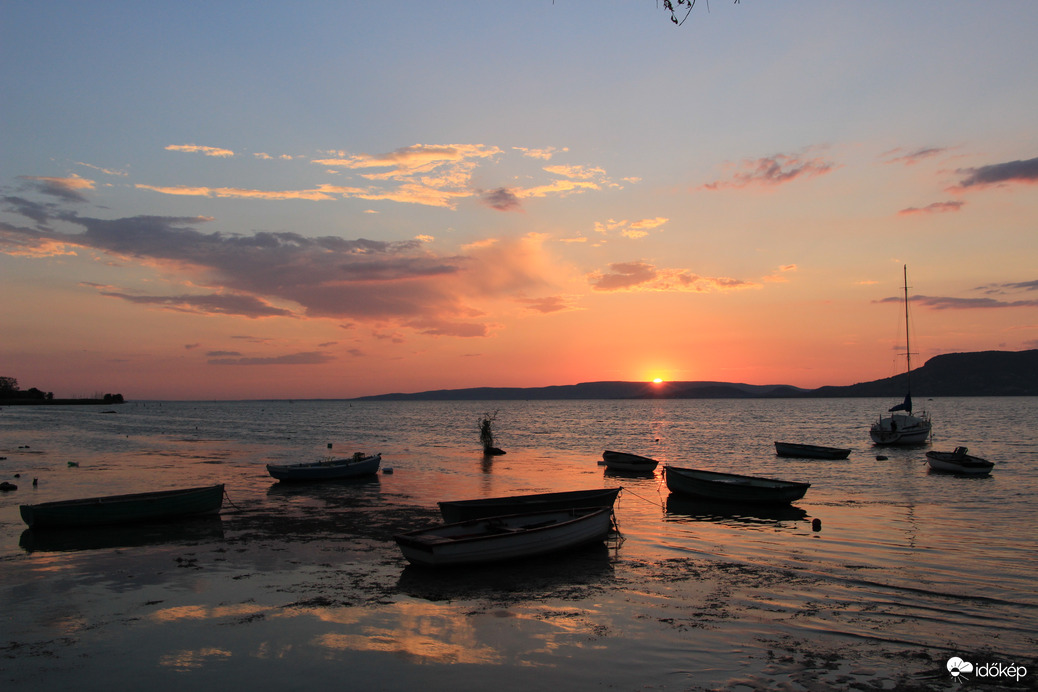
(909, 567)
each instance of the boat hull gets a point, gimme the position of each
(730, 487)
(794, 449)
(496, 539)
(958, 462)
(125, 509)
(900, 430)
(326, 470)
(629, 463)
(454, 511)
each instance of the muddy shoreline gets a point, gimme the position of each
(309, 576)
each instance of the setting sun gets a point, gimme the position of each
(658, 380)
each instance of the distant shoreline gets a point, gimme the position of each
(983, 373)
(57, 402)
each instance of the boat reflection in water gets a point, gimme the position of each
(684, 508)
(206, 529)
(322, 488)
(530, 578)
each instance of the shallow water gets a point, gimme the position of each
(907, 563)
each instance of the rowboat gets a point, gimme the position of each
(454, 511)
(125, 509)
(959, 461)
(731, 487)
(794, 449)
(631, 463)
(327, 469)
(506, 537)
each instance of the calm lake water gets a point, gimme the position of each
(905, 557)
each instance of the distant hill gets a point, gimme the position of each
(984, 373)
(599, 390)
(981, 373)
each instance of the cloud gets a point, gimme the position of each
(501, 199)
(630, 229)
(578, 172)
(212, 304)
(402, 282)
(238, 193)
(780, 277)
(417, 157)
(304, 358)
(772, 171)
(432, 175)
(642, 276)
(106, 171)
(948, 303)
(196, 149)
(547, 304)
(562, 187)
(66, 189)
(999, 173)
(543, 154)
(437, 175)
(40, 212)
(913, 157)
(935, 208)
(440, 327)
(1024, 285)
(18, 241)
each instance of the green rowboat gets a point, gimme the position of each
(125, 509)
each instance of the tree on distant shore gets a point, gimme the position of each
(9, 389)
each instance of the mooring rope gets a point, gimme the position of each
(227, 496)
(651, 502)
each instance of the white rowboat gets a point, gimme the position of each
(330, 469)
(505, 538)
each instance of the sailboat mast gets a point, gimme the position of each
(908, 343)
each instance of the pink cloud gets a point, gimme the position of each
(771, 171)
(935, 208)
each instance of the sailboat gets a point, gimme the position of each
(902, 427)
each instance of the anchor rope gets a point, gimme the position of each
(227, 496)
(651, 502)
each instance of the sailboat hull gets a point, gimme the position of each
(900, 430)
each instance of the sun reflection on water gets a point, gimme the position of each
(192, 659)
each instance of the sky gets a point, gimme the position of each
(238, 200)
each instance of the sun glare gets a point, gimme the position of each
(658, 380)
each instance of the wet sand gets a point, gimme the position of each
(302, 586)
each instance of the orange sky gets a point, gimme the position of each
(365, 206)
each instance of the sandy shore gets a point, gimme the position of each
(304, 586)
